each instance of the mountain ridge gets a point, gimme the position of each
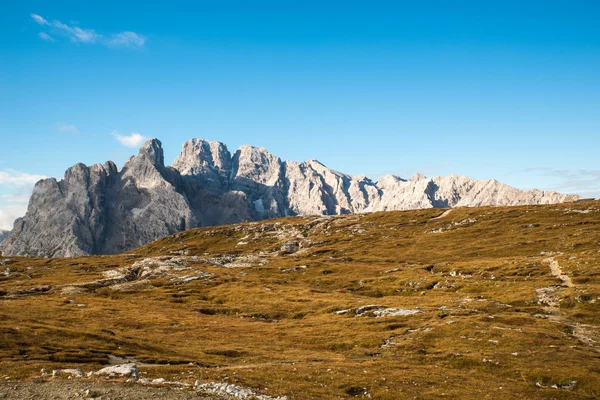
(103, 210)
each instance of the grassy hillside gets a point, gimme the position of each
(497, 303)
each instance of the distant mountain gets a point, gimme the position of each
(3, 235)
(101, 210)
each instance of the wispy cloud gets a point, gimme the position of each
(74, 33)
(18, 198)
(89, 36)
(13, 177)
(133, 140)
(39, 19)
(15, 190)
(13, 203)
(126, 39)
(8, 214)
(585, 182)
(66, 128)
(45, 37)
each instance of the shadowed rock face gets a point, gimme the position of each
(101, 210)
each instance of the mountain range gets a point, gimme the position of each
(100, 209)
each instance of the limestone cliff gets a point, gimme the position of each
(101, 210)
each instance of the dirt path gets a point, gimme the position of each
(557, 271)
(442, 215)
(549, 297)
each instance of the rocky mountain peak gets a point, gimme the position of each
(111, 167)
(152, 151)
(315, 163)
(199, 156)
(256, 164)
(389, 179)
(103, 210)
(417, 177)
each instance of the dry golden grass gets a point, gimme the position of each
(272, 326)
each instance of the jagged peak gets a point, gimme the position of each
(80, 169)
(417, 177)
(111, 167)
(253, 149)
(255, 154)
(152, 150)
(198, 154)
(200, 141)
(76, 168)
(218, 188)
(315, 161)
(391, 178)
(364, 178)
(201, 146)
(315, 164)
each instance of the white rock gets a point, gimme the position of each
(391, 312)
(77, 373)
(379, 311)
(235, 391)
(122, 369)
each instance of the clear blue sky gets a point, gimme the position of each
(503, 89)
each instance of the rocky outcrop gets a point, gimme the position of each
(101, 210)
(455, 191)
(64, 218)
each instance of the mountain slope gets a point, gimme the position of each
(101, 210)
(390, 305)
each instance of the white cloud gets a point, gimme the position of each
(126, 39)
(76, 34)
(90, 36)
(66, 128)
(79, 35)
(45, 37)
(585, 182)
(39, 19)
(15, 198)
(12, 177)
(15, 190)
(133, 140)
(8, 214)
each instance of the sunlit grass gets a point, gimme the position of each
(273, 327)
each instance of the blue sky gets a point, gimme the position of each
(490, 89)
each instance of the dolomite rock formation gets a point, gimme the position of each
(101, 210)
(3, 235)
